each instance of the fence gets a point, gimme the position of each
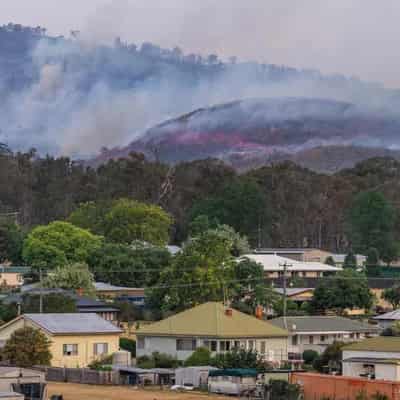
(82, 375)
(317, 386)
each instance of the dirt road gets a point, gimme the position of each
(72, 391)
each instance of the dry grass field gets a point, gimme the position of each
(72, 391)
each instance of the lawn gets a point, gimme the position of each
(72, 391)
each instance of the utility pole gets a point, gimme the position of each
(41, 292)
(285, 266)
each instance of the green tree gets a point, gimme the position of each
(309, 356)
(52, 303)
(201, 272)
(201, 223)
(135, 266)
(157, 360)
(130, 220)
(128, 345)
(240, 204)
(348, 289)
(128, 312)
(8, 312)
(248, 288)
(238, 358)
(331, 358)
(59, 244)
(91, 216)
(372, 221)
(350, 261)
(27, 347)
(372, 257)
(392, 295)
(72, 277)
(201, 356)
(330, 261)
(11, 241)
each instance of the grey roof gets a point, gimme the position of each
(106, 286)
(292, 291)
(390, 316)
(72, 323)
(324, 324)
(81, 301)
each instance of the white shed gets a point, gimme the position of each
(193, 376)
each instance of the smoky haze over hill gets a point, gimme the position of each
(73, 97)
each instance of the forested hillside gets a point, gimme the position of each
(278, 205)
(66, 96)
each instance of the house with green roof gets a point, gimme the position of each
(374, 358)
(215, 326)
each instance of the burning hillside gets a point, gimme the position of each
(257, 131)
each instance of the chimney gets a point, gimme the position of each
(259, 312)
(228, 312)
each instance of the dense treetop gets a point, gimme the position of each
(290, 205)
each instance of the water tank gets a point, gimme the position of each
(122, 357)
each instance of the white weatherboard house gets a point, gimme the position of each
(317, 332)
(375, 358)
(274, 267)
(388, 319)
(216, 327)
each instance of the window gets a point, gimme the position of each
(100, 349)
(210, 344)
(294, 340)
(322, 338)
(186, 344)
(251, 344)
(224, 345)
(262, 347)
(70, 349)
(140, 343)
(236, 344)
(311, 339)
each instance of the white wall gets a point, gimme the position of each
(162, 345)
(276, 348)
(353, 369)
(388, 372)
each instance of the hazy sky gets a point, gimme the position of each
(354, 37)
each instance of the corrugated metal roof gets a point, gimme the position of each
(380, 343)
(272, 262)
(324, 324)
(391, 316)
(292, 291)
(72, 323)
(211, 320)
(106, 286)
